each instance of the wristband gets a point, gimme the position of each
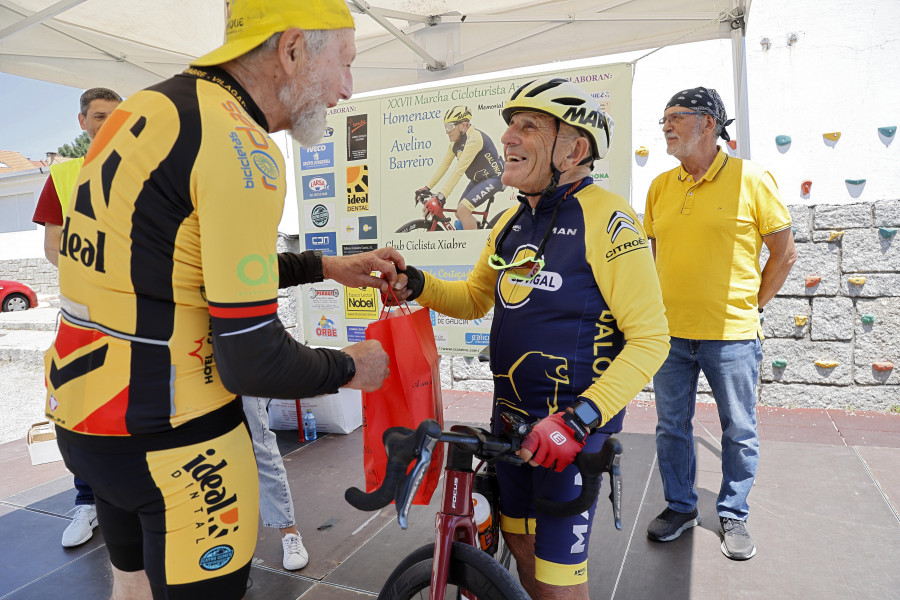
(317, 275)
(351, 368)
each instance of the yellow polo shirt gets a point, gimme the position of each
(708, 238)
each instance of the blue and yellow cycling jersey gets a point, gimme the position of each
(590, 324)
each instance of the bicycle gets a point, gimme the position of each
(455, 558)
(435, 218)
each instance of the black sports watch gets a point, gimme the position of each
(588, 413)
(351, 368)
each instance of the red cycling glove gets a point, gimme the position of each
(555, 441)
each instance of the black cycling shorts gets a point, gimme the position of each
(183, 506)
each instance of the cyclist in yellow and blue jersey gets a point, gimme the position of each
(169, 279)
(476, 158)
(579, 326)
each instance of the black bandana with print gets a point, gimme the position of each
(706, 101)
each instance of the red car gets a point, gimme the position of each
(16, 296)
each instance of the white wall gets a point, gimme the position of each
(23, 244)
(842, 74)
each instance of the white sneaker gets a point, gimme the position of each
(295, 555)
(82, 526)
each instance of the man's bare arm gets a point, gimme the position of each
(52, 233)
(782, 255)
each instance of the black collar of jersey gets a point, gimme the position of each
(459, 144)
(223, 78)
(550, 203)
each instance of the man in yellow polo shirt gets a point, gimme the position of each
(707, 220)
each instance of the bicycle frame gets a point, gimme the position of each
(454, 522)
(436, 215)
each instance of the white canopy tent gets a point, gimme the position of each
(130, 44)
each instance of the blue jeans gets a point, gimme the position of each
(275, 503)
(732, 370)
(83, 492)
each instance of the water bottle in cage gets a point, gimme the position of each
(486, 487)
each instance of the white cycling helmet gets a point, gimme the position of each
(567, 102)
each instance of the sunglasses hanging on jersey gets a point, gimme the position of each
(524, 269)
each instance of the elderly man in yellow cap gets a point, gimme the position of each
(169, 279)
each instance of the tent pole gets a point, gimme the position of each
(739, 65)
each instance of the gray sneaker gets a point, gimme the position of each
(736, 542)
(82, 526)
(670, 524)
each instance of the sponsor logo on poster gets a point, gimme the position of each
(325, 299)
(359, 228)
(351, 249)
(318, 186)
(325, 328)
(358, 188)
(325, 241)
(478, 339)
(329, 131)
(360, 303)
(357, 137)
(319, 215)
(356, 334)
(319, 156)
(368, 228)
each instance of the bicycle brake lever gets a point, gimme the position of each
(414, 480)
(615, 485)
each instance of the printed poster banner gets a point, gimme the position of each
(396, 144)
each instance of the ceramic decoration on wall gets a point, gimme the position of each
(831, 139)
(783, 143)
(835, 235)
(855, 187)
(887, 232)
(813, 280)
(886, 134)
(805, 188)
(640, 156)
(867, 319)
(732, 144)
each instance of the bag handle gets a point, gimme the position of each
(384, 307)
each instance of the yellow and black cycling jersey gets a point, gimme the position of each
(591, 323)
(169, 246)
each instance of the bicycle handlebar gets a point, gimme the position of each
(403, 445)
(592, 466)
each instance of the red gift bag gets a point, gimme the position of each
(410, 394)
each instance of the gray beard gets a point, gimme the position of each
(686, 147)
(307, 109)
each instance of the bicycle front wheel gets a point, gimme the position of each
(471, 570)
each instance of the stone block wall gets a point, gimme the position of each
(37, 273)
(848, 322)
(821, 323)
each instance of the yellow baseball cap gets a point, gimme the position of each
(248, 23)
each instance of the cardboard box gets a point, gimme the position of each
(335, 413)
(41, 440)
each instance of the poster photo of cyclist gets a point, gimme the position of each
(478, 161)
